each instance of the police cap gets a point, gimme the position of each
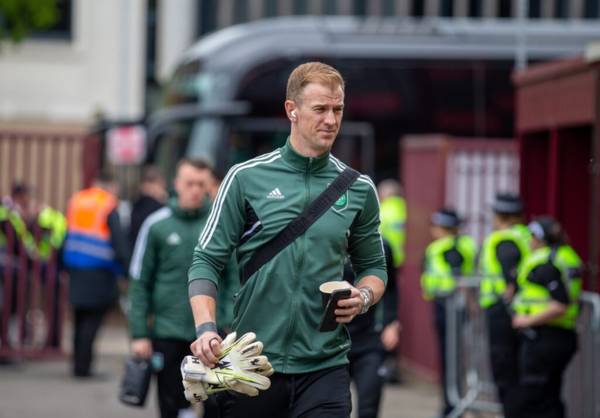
(446, 218)
(508, 203)
(546, 229)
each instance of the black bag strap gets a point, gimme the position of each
(300, 224)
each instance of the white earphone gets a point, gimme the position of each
(293, 114)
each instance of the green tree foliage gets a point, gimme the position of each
(18, 18)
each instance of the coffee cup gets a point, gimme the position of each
(328, 288)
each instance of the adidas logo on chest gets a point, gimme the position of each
(276, 194)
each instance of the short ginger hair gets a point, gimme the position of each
(312, 72)
(197, 163)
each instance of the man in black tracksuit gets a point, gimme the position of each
(152, 197)
(368, 350)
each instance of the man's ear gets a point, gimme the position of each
(290, 108)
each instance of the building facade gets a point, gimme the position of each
(92, 66)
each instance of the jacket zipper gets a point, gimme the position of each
(300, 263)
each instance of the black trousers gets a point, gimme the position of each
(439, 318)
(504, 347)
(321, 394)
(51, 283)
(543, 357)
(87, 322)
(364, 371)
(170, 389)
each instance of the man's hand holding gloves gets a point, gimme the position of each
(240, 368)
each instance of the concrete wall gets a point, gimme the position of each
(100, 69)
(176, 31)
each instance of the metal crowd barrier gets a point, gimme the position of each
(582, 379)
(469, 382)
(32, 297)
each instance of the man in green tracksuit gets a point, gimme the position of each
(158, 289)
(281, 302)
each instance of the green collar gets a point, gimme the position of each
(300, 162)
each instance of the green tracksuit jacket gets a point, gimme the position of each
(158, 295)
(281, 302)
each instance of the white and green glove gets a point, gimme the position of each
(199, 391)
(244, 356)
(240, 368)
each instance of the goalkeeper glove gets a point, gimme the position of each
(240, 368)
(199, 391)
(200, 381)
(244, 356)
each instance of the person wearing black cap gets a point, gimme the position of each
(19, 200)
(502, 253)
(447, 257)
(546, 309)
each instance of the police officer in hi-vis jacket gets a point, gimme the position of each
(545, 311)
(503, 252)
(447, 257)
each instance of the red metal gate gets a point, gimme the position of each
(32, 300)
(55, 162)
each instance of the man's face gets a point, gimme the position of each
(191, 185)
(22, 199)
(437, 232)
(497, 222)
(535, 243)
(318, 116)
(113, 188)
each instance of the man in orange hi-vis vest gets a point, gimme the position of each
(95, 254)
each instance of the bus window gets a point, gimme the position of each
(265, 87)
(190, 84)
(243, 145)
(198, 139)
(170, 147)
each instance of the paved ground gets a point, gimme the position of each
(44, 389)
